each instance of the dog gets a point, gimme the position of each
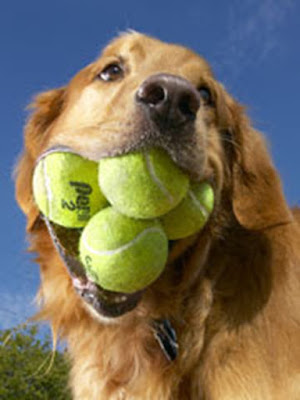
(223, 320)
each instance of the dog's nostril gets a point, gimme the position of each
(188, 105)
(152, 94)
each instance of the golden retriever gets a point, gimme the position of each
(223, 320)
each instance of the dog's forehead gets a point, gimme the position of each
(141, 48)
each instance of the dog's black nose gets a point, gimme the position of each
(170, 100)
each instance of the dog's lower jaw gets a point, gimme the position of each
(101, 318)
(103, 312)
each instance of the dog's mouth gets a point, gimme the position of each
(106, 303)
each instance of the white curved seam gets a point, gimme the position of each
(197, 203)
(122, 248)
(156, 179)
(49, 193)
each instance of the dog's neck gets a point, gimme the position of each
(125, 356)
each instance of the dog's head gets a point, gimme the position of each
(141, 93)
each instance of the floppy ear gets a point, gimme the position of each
(46, 107)
(258, 200)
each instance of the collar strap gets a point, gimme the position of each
(166, 336)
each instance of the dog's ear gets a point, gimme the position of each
(258, 200)
(46, 108)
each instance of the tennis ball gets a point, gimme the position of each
(146, 184)
(122, 254)
(65, 188)
(191, 214)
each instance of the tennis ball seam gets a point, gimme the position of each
(126, 246)
(49, 193)
(159, 183)
(197, 203)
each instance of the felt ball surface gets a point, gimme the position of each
(191, 214)
(146, 184)
(66, 190)
(122, 254)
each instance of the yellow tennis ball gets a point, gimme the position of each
(66, 190)
(122, 254)
(191, 214)
(144, 184)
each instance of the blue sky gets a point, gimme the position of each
(253, 46)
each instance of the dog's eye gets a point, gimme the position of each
(111, 72)
(206, 96)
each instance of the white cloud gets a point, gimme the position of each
(253, 32)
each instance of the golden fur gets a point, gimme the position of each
(231, 293)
